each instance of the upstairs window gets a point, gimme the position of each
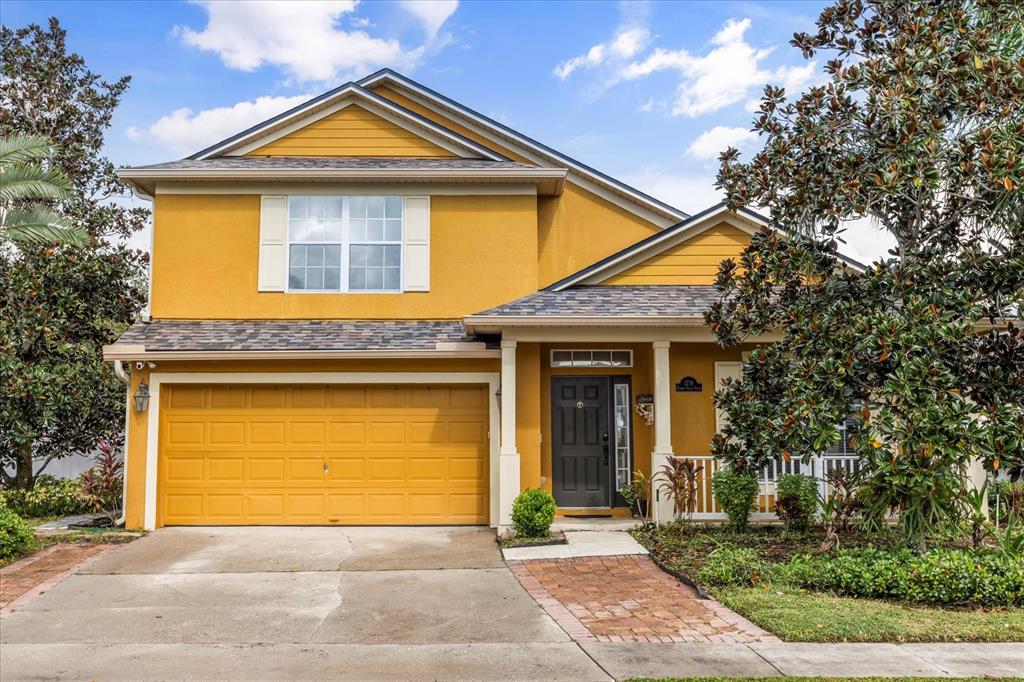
(350, 243)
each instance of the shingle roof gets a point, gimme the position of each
(331, 163)
(683, 300)
(266, 335)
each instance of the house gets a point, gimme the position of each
(382, 307)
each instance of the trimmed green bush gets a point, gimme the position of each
(49, 497)
(796, 500)
(732, 566)
(533, 512)
(941, 576)
(735, 492)
(14, 533)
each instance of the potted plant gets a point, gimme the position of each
(636, 495)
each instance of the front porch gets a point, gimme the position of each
(580, 412)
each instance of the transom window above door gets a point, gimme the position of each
(345, 243)
(591, 358)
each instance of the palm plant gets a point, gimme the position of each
(679, 481)
(26, 190)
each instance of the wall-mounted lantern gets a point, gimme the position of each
(141, 397)
(497, 396)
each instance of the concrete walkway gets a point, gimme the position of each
(371, 604)
(580, 544)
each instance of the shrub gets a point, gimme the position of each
(14, 533)
(102, 485)
(796, 500)
(533, 512)
(49, 497)
(941, 576)
(727, 566)
(735, 492)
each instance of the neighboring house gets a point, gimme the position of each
(382, 307)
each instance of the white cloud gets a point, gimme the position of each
(631, 38)
(723, 76)
(185, 132)
(711, 143)
(431, 13)
(304, 38)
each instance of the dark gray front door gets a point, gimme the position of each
(580, 454)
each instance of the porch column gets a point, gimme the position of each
(508, 456)
(661, 507)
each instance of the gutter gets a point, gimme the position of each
(556, 176)
(475, 323)
(126, 380)
(121, 352)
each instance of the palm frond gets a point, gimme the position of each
(20, 182)
(23, 149)
(39, 225)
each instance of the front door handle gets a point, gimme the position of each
(604, 438)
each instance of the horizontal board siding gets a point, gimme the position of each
(353, 131)
(694, 261)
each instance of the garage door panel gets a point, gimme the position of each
(226, 397)
(306, 506)
(347, 433)
(323, 454)
(305, 433)
(266, 507)
(225, 469)
(186, 433)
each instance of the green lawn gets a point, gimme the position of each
(800, 616)
(806, 679)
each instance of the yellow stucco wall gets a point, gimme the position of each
(352, 131)
(693, 414)
(694, 261)
(575, 229)
(206, 248)
(138, 425)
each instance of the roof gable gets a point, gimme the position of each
(657, 250)
(353, 131)
(525, 148)
(333, 101)
(695, 260)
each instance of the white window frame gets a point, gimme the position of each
(590, 365)
(345, 245)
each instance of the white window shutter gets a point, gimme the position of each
(416, 244)
(273, 242)
(723, 371)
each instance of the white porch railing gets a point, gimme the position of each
(707, 508)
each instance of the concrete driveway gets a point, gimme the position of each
(271, 603)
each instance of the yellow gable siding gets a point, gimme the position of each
(695, 261)
(352, 131)
(574, 229)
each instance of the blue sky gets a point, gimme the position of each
(647, 92)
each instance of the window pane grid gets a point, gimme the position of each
(591, 358)
(326, 231)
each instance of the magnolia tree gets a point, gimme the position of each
(60, 304)
(919, 127)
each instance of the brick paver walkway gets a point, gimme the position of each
(43, 570)
(628, 599)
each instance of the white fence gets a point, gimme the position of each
(707, 508)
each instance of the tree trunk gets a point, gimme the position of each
(23, 477)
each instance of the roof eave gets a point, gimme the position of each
(124, 352)
(550, 181)
(487, 324)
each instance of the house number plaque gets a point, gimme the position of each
(689, 385)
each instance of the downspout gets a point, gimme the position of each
(126, 380)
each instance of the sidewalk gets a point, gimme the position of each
(764, 659)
